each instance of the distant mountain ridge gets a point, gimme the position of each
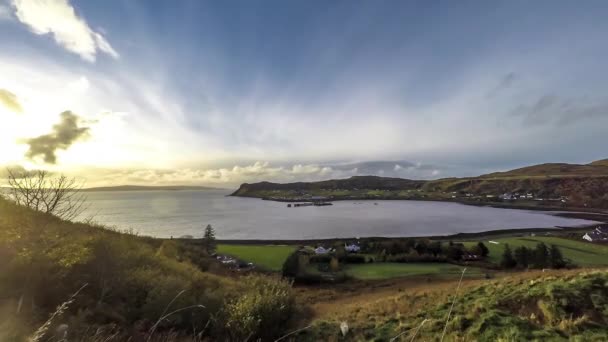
(149, 188)
(582, 185)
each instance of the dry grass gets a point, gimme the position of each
(40, 333)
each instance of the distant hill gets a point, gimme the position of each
(580, 185)
(355, 182)
(596, 168)
(149, 188)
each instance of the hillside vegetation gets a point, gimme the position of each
(552, 306)
(127, 284)
(579, 186)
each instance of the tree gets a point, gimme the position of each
(39, 190)
(334, 265)
(475, 250)
(522, 256)
(454, 252)
(209, 240)
(421, 247)
(555, 258)
(435, 248)
(507, 258)
(541, 256)
(291, 266)
(484, 250)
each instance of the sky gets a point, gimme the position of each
(223, 92)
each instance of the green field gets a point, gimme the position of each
(394, 270)
(580, 252)
(270, 257)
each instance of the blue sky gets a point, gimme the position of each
(212, 92)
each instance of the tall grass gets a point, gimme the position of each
(42, 330)
(447, 321)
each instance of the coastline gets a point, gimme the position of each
(497, 233)
(500, 205)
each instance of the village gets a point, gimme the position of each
(323, 197)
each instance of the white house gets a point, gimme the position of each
(321, 250)
(352, 248)
(599, 234)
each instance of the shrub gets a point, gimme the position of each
(320, 259)
(291, 266)
(417, 258)
(260, 312)
(507, 260)
(353, 259)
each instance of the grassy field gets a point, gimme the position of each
(395, 270)
(270, 257)
(580, 252)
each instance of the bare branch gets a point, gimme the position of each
(59, 196)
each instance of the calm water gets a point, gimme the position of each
(176, 213)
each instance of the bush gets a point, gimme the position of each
(291, 266)
(261, 312)
(353, 259)
(417, 258)
(320, 259)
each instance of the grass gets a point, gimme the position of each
(539, 306)
(270, 257)
(394, 270)
(580, 252)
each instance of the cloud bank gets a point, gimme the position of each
(58, 18)
(64, 134)
(260, 171)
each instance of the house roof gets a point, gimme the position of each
(602, 230)
(594, 235)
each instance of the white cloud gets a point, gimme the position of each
(58, 17)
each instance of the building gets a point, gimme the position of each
(470, 257)
(507, 196)
(599, 234)
(321, 250)
(352, 248)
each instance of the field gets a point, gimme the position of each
(580, 252)
(270, 257)
(395, 270)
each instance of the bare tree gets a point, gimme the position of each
(60, 196)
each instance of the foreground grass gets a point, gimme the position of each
(395, 270)
(270, 257)
(537, 306)
(580, 252)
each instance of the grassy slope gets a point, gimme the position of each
(580, 252)
(551, 306)
(130, 281)
(395, 270)
(268, 257)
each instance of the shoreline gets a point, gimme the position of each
(500, 205)
(497, 233)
